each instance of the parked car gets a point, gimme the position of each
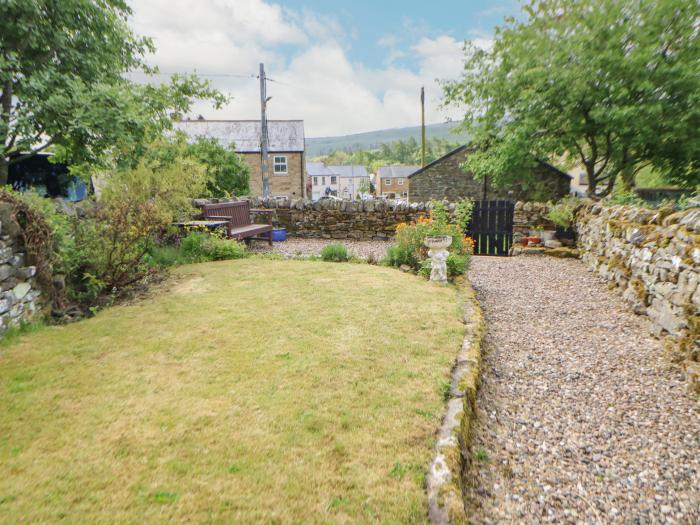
(329, 198)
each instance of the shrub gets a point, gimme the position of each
(562, 214)
(409, 248)
(463, 213)
(334, 253)
(202, 247)
(401, 254)
(457, 264)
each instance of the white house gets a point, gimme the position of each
(323, 180)
(350, 179)
(339, 181)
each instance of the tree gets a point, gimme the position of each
(612, 84)
(364, 187)
(62, 66)
(228, 173)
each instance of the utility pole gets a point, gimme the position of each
(263, 134)
(422, 126)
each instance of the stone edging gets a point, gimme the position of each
(444, 479)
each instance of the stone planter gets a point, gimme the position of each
(438, 256)
(549, 235)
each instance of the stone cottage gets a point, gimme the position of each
(445, 179)
(286, 166)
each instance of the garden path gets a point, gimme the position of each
(582, 419)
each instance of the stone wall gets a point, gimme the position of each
(20, 297)
(653, 257)
(530, 216)
(329, 219)
(445, 179)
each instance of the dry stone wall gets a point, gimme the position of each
(530, 216)
(21, 299)
(330, 219)
(653, 256)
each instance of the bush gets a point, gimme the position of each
(334, 253)
(409, 248)
(401, 254)
(202, 247)
(562, 214)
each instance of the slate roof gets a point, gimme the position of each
(396, 172)
(349, 171)
(317, 169)
(283, 135)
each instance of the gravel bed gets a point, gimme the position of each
(304, 247)
(581, 417)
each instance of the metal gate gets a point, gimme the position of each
(491, 227)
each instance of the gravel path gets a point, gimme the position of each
(297, 246)
(581, 418)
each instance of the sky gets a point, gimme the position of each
(341, 66)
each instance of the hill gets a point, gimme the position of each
(373, 139)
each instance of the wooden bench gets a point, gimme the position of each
(240, 226)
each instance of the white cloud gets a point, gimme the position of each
(316, 80)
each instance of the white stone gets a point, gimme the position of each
(21, 290)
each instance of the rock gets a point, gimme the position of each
(26, 272)
(405, 268)
(21, 290)
(6, 271)
(552, 244)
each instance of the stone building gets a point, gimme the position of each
(392, 181)
(286, 167)
(445, 179)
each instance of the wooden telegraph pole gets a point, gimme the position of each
(422, 129)
(264, 147)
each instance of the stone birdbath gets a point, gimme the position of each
(438, 256)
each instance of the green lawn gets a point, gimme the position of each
(243, 391)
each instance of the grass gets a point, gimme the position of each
(245, 391)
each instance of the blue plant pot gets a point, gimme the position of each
(279, 234)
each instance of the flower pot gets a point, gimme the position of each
(279, 234)
(438, 242)
(548, 235)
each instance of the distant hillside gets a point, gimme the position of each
(373, 139)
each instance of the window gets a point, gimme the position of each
(323, 181)
(315, 181)
(280, 165)
(387, 182)
(334, 179)
(399, 182)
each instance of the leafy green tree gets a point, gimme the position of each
(611, 84)
(398, 152)
(62, 66)
(228, 173)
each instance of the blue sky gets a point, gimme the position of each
(371, 25)
(342, 67)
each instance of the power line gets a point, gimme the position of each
(160, 74)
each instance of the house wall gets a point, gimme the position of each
(352, 184)
(445, 179)
(319, 190)
(290, 185)
(394, 187)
